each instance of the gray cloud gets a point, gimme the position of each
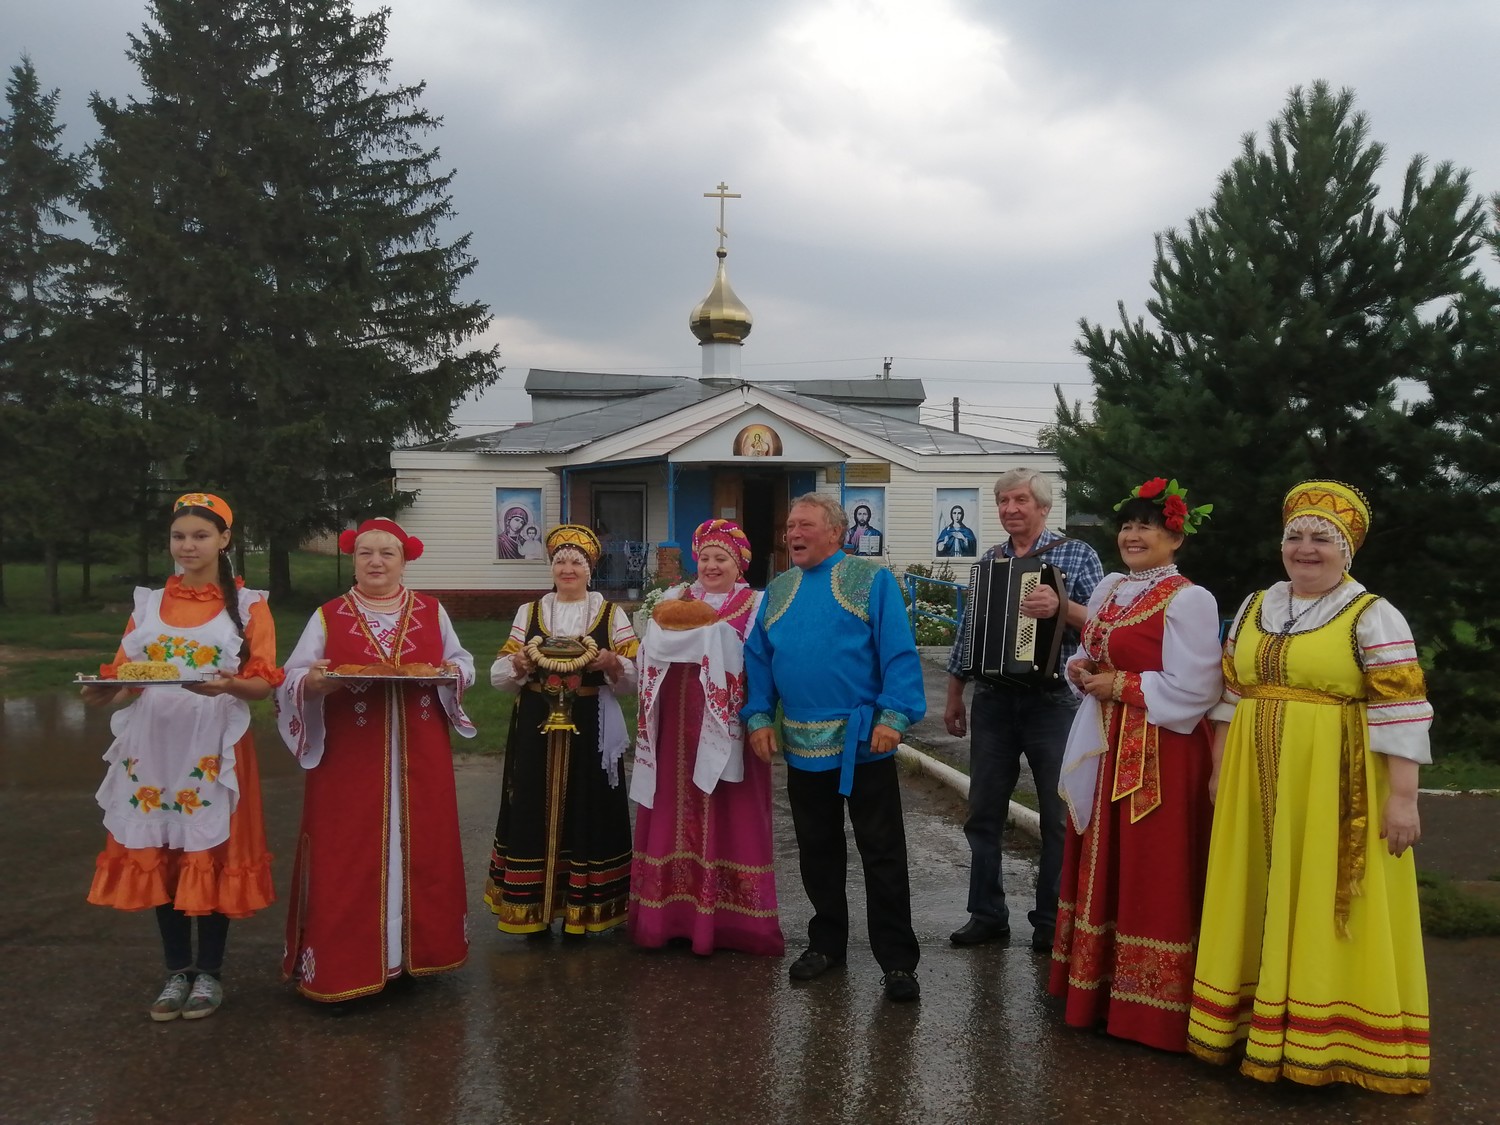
(937, 179)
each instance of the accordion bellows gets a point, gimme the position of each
(1001, 644)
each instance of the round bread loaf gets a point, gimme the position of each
(680, 614)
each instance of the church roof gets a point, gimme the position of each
(912, 436)
(562, 435)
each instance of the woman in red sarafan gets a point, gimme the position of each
(1135, 777)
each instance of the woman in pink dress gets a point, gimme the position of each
(702, 864)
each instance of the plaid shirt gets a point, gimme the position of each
(1079, 563)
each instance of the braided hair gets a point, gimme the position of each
(226, 569)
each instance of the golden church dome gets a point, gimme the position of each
(720, 318)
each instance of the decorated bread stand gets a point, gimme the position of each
(559, 663)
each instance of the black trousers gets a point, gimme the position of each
(880, 835)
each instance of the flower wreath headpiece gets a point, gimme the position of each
(1172, 498)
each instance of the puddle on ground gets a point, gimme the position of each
(53, 742)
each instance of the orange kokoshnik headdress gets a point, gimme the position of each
(577, 537)
(1340, 504)
(726, 534)
(207, 501)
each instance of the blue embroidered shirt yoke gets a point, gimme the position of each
(832, 645)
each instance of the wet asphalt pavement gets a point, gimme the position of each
(553, 1032)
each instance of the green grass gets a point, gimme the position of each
(88, 633)
(1450, 911)
(1461, 772)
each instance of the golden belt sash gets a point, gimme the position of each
(1137, 757)
(1354, 810)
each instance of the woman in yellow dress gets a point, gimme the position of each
(1311, 946)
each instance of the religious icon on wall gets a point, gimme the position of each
(518, 523)
(757, 440)
(955, 516)
(865, 508)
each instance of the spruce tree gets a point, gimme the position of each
(60, 423)
(1295, 325)
(275, 221)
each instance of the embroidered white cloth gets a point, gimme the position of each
(720, 657)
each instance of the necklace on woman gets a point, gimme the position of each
(1294, 615)
(1151, 574)
(389, 604)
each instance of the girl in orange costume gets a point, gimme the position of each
(181, 798)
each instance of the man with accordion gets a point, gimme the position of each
(1026, 603)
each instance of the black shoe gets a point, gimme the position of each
(1041, 942)
(901, 986)
(977, 931)
(812, 964)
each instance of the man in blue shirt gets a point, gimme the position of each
(832, 645)
(1010, 722)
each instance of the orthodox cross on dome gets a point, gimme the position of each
(721, 195)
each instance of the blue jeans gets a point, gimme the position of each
(1004, 724)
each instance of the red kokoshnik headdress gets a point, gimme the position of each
(411, 546)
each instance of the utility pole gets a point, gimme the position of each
(886, 368)
(955, 415)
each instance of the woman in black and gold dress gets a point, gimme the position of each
(562, 842)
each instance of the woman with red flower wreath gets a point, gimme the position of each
(562, 839)
(1135, 779)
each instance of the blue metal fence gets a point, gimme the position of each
(914, 610)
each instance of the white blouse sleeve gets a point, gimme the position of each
(622, 639)
(1395, 690)
(452, 694)
(1223, 711)
(1191, 680)
(502, 672)
(299, 719)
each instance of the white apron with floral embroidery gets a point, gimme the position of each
(171, 780)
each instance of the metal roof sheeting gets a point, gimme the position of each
(645, 398)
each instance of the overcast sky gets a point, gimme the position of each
(950, 182)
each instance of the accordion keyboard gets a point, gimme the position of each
(1026, 626)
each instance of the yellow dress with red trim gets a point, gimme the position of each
(180, 758)
(1131, 893)
(1311, 949)
(378, 886)
(562, 838)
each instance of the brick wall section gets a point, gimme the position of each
(669, 565)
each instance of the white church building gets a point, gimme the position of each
(644, 459)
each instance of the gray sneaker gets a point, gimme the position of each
(168, 1006)
(205, 999)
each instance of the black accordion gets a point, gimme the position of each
(1000, 645)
